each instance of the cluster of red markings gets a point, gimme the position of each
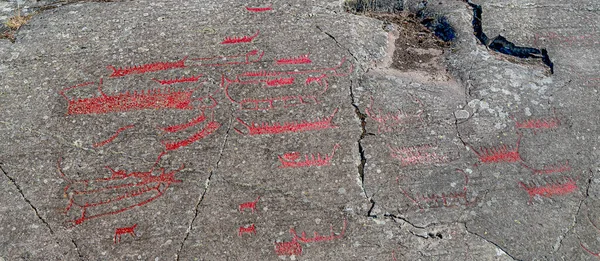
(291, 159)
(389, 122)
(450, 199)
(294, 248)
(252, 206)
(417, 155)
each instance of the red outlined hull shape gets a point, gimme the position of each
(319, 238)
(259, 9)
(550, 188)
(302, 59)
(499, 154)
(288, 127)
(183, 79)
(122, 191)
(237, 89)
(113, 137)
(236, 39)
(292, 159)
(210, 128)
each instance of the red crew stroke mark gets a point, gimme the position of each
(259, 9)
(124, 231)
(209, 129)
(183, 126)
(292, 248)
(216, 61)
(417, 155)
(249, 205)
(451, 199)
(290, 160)
(388, 122)
(498, 154)
(551, 188)
(551, 168)
(538, 124)
(585, 248)
(129, 101)
(302, 59)
(247, 230)
(118, 193)
(180, 80)
(288, 127)
(236, 40)
(145, 68)
(319, 238)
(113, 137)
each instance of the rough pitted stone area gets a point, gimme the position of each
(296, 130)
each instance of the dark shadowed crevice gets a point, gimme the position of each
(502, 45)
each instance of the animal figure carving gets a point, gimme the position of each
(124, 231)
(249, 205)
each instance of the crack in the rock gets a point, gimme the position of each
(341, 46)
(206, 187)
(405, 220)
(487, 240)
(35, 210)
(77, 249)
(558, 244)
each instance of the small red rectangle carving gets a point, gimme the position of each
(290, 160)
(551, 188)
(244, 39)
(288, 127)
(302, 59)
(114, 136)
(145, 68)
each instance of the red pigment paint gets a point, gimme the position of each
(209, 129)
(145, 68)
(180, 80)
(589, 251)
(183, 126)
(259, 9)
(236, 40)
(319, 238)
(319, 70)
(499, 154)
(553, 188)
(549, 169)
(288, 127)
(292, 248)
(280, 82)
(142, 186)
(290, 160)
(114, 136)
(388, 122)
(216, 61)
(124, 231)
(318, 79)
(249, 205)
(445, 199)
(247, 230)
(417, 155)
(302, 59)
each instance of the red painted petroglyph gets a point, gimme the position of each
(302, 59)
(433, 200)
(112, 195)
(113, 137)
(209, 129)
(538, 124)
(585, 248)
(247, 230)
(180, 80)
(183, 126)
(318, 79)
(388, 122)
(292, 248)
(551, 168)
(305, 72)
(145, 68)
(319, 238)
(236, 40)
(499, 154)
(417, 155)
(259, 9)
(128, 101)
(239, 59)
(551, 188)
(279, 82)
(290, 160)
(249, 205)
(288, 127)
(124, 231)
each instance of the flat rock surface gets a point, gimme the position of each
(294, 130)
